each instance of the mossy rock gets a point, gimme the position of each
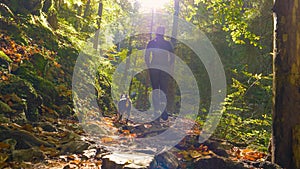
(43, 87)
(39, 63)
(4, 119)
(24, 6)
(19, 106)
(42, 34)
(26, 92)
(14, 31)
(69, 56)
(5, 108)
(11, 114)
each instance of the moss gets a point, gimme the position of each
(4, 108)
(42, 34)
(3, 119)
(44, 87)
(25, 91)
(14, 31)
(25, 7)
(39, 63)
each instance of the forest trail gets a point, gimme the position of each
(64, 144)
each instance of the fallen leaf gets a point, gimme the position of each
(4, 145)
(107, 140)
(3, 157)
(195, 154)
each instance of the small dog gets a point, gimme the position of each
(124, 107)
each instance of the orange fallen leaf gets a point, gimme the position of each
(4, 145)
(3, 77)
(126, 131)
(107, 140)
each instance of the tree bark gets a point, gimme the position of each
(171, 107)
(286, 84)
(87, 9)
(96, 40)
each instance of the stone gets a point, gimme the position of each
(217, 162)
(87, 154)
(4, 119)
(212, 145)
(74, 147)
(96, 129)
(25, 91)
(46, 126)
(165, 160)
(24, 138)
(12, 143)
(43, 87)
(32, 154)
(5, 108)
(128, 160)
(221, 152)
(65, 111)
(269, 165)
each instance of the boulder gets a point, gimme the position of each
(32, 154)
(4, 119)
(217, 162)
(15, 111)
(24, 138)
(75, 147)
(30, 100)
(43, 87)
(165, 160)
(46, 126)
(128, 160)
(11, 142)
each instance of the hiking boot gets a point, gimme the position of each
(164, 116)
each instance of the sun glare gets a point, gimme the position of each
(148, 5)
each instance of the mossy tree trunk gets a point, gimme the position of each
(286, 86)
(100, 10)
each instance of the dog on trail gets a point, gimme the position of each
(124, 107)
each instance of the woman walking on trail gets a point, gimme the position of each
(159, 57)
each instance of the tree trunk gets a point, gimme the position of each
(175, 22)
(127, 65)
(171, 108)
(286, 84)
(78, 18)
(87, 8)
(96, 40)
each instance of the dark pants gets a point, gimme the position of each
(159, 80)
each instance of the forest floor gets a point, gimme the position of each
(61, 143)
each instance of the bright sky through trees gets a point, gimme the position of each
(148, 5)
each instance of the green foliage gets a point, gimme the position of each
(4, 57)
(234, 17)
(103, 87)
(247, 116)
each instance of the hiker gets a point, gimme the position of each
(159, 53)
